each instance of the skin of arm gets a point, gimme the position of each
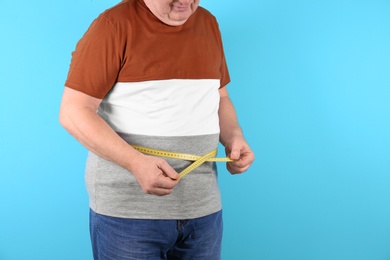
(231, 136)
(78, 116)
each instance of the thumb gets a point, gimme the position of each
(235, 154)
(169, 171)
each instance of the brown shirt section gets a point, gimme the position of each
(127, 43)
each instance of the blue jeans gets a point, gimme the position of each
(124, 239)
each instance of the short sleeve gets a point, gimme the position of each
(225, 77)
(224, 71)
(96, 60)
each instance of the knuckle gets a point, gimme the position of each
(160, 161)
(147, 189)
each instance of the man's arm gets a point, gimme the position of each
(78, 116)
(231, 136)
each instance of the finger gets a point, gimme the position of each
(160, 191)
(157, 189)
(246, 158)
(239, 166)
(237, 170)
(165, 182)
(169, 171)
(241, 163)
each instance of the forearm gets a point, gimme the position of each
(231, 136)
(95, 134)
(229, 126)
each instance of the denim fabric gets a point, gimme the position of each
(124, 239)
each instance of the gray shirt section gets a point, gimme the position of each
(114, 191)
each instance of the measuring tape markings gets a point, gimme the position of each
(197, 160)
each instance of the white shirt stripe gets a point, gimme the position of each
(177, 107)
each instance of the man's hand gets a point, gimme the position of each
(154, 175)
(239, 151)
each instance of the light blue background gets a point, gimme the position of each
(311, 83)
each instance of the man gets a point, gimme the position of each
(153, 73)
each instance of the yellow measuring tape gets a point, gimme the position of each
(197, 160)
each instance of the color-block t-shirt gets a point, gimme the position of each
(159, 88)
